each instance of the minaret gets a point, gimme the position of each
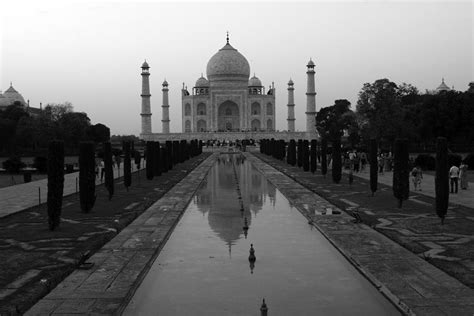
(165, 107)
(291, 107)
(310, 100)
(146, 111)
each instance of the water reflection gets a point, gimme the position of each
(229, 180)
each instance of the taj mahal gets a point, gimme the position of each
(228, 104)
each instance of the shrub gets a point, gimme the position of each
(401, 172)
(137, 158)
(176, 152)
(87, 176)
(109, 171)
(336, 160)
(442, 178)
(13, 165)
(55, 168)
(41, 164)
(425, 161)
(373, 166)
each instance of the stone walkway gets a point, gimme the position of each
(22, 196)
(463, 197)
(120, 266)
(411, 283)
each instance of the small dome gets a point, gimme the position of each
(290, 83)
(165, 83)
(255, 82)
(310, 63)
(442, 87)
(11, 96)
(228, 63)
(202, 82)
(145, 65)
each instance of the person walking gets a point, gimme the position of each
(454, 176)
(463, 176)
(416, 176)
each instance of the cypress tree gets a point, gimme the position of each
(176, 158)
(313, 154)
(87, 176)
(109, 171)
(324, 157)
(127, 165)
(282, 149)
(262, 145)
(137, 158)
(55, 167)
(306, 155)
(164, 160)
(156, 159)
(373, 165)
(169, 150)
(401, 182)
(336, 160)
(442, 178)
(300, 153)
(150, 160)
(292, 152)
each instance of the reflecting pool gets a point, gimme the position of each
(204, 268)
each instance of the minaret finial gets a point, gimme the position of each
(11, 84)
(227, 37)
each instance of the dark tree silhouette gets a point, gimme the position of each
(401, 172)
(55, 182)
(373, 165)
(109, 171)
(87, 175)
(442, 178)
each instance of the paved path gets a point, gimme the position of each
(22, 196)
(463, 197)
(411, 283)
(122, 263)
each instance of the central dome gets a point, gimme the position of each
(228, 64)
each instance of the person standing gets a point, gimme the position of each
(454, 176)
(463, 176)
(417, 175)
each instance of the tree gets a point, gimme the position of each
(401, 172)
(373, 165)
(169, 149)
(157, 159)
(380, 111)
(150, 160)
(127, 165)
(442, 178)
(291, 158)
(324, 157)
(73, 127)
(313, 155)
(305, 155)
(336, 160)
(87, 176)
(55, 111)
(109, 171)
(55, 183)
(98, 133)
(300, 153)
(332, 121)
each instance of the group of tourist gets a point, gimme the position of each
(456, 174)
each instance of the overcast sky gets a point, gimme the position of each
(90, 53)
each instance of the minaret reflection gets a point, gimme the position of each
(218, 197)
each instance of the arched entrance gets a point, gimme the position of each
(228, 117)
(201, 126)
(255, 125)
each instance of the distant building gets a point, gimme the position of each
(11, 96)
